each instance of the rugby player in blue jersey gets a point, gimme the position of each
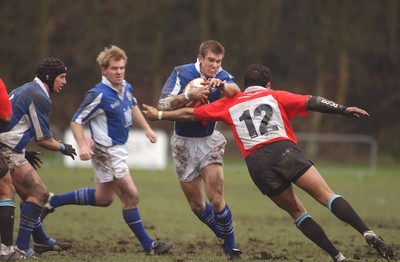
(198, 149)
(31, 105)
(110, 109)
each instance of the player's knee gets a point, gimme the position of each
(43, 197)
(217, 204)
(133, 201)
(130, 198)
(104, 202)
(198, 209)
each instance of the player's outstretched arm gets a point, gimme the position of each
(34, 159)
(355, 111)
(179, 101)
(227, 89)
(54, 145)
(182, 114)
(85, 152)
(323, 105)
(139, 119)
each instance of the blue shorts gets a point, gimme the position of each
(275, 166)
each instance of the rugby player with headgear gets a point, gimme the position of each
(31, 106)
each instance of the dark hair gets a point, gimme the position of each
(211, 46)
(257, 75)
(49, 69)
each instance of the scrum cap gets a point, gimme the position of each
(49, 69)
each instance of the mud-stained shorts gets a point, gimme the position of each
(110, 162)
(275, 166)
(193, 154)
(13, 158)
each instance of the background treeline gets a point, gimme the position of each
(345, 50)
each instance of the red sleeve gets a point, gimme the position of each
(5, 104)
(293, 104)
(210, 112)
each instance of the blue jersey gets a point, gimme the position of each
(31, 107)
(108, 112)
(175, 84)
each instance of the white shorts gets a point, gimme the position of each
(192, 154)
(13, 158)
(109, 162)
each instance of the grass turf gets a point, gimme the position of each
(263, 231)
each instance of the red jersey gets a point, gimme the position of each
(257, 117)
(5, 104)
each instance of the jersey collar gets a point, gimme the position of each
(197, 66)
(105, 81)
(39, 82)
(254, 88)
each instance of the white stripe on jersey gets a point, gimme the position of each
(177, 86)
(35, 122)
(100, 129)
(88, 109)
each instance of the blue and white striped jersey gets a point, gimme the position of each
(175, 84)
(31, 105)
(108, 112)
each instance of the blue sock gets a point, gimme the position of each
(225, 225)
(38, 234)
(208, 218)
(132, 219)
(82, 197)
(30, 214)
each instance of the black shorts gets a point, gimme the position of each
(275, 166)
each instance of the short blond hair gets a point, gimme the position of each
(112, 52)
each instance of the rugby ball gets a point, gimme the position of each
(195, 83)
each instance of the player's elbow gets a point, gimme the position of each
(5, 121)
(164, 104)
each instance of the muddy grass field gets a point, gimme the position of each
(263, 231)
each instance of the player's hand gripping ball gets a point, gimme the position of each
(196, 94)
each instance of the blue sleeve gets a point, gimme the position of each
(179, 78)
(88, 107)
(225, 76)
(39, 113)
(130, 95)
(169, 85)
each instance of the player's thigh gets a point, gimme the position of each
(213, 176)
(7, 189)
(288, 201)
(314, 184)
(29, 185)
(193, 191)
